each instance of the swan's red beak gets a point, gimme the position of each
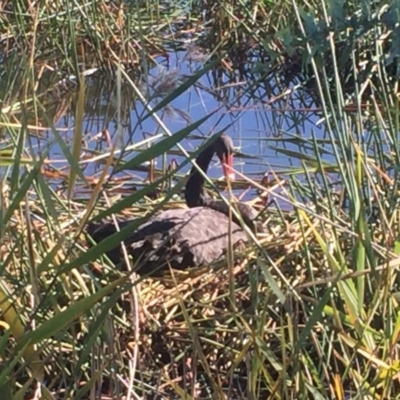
(227, 166)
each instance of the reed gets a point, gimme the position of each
(311, 309)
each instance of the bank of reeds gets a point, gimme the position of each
(100, 34)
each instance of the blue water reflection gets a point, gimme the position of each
(257, 122)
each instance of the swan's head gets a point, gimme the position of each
(224, 149)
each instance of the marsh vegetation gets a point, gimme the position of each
(104, 104)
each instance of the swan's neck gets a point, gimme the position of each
(195, 194)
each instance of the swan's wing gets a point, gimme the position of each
(181, 237)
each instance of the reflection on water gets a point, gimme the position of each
(261, 116)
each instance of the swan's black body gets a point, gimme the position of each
(184, 237)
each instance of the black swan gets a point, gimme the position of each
(185, 237)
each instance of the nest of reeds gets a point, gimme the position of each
(197, 327)
(205, 332)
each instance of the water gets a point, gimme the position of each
(259, 122)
